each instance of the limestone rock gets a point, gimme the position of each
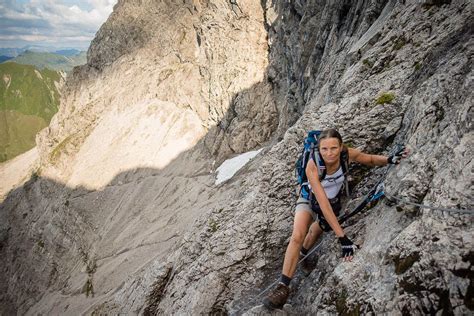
(231, 76)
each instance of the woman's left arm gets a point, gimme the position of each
(367, 159)
(376, 160)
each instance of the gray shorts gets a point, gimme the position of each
(304, 205)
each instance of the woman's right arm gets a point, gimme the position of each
(321, 197)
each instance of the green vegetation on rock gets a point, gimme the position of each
(399, 43)
(55, 154)
(386, 97)
(367, 63)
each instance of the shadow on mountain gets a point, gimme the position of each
(81, 242)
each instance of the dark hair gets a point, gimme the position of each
(331, 133)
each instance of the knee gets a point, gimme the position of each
(315, 231)
(297, 237)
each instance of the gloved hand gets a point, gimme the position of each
(348, 248)
(397, 157)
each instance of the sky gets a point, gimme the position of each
(52, 23)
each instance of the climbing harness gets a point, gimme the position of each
(374, 194)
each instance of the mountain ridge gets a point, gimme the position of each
(53, 61)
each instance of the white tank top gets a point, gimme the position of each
(332, 183)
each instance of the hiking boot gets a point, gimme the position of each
(277, 297)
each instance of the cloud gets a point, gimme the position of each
(53, 22)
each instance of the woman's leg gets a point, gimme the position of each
(300, 227)
(278, 296)
(313, 234)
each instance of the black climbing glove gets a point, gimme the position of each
(397, 156)
(347, 246)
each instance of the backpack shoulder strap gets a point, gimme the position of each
(319, 162)
(344, 160)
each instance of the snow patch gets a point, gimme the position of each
(231, 166)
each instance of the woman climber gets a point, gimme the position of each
(319, 210)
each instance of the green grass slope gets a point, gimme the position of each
(28, 100)
(17, 133)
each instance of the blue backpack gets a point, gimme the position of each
(310, 151)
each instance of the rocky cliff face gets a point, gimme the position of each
(117, 220)
(415, 54)
(206, 60)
